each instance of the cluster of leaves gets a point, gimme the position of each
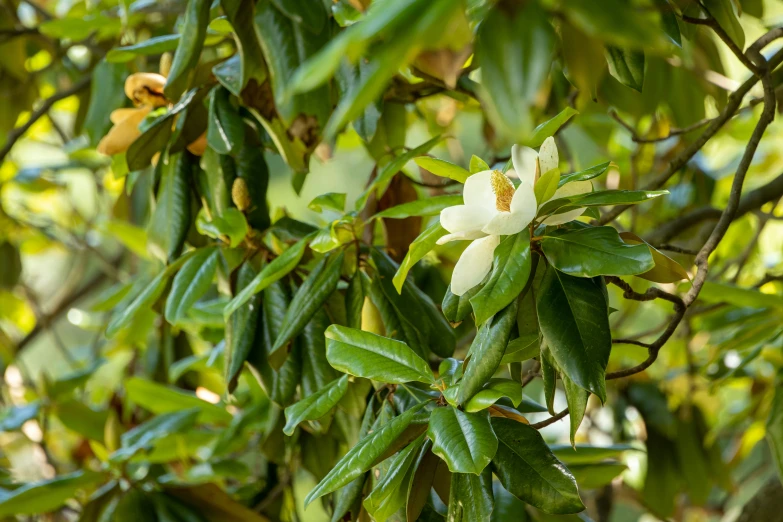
(267, 361)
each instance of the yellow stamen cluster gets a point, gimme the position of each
(503, 189)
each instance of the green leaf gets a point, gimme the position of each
(316, 405)
(598, 199)
(151, 142)
(194, 30)
(585, 454)
(106, 94)
(368, 451)
(46, 495)
(143, 436)
(417, 250)
(151, 46)
(471, 498)
(241, 330)
(572, 315)
(225, 130)
(354, 301)
(584, 175)
(159, 398)
(593, 476)
(230, 227)
(627, 65)
(170, 221)
(547, 185)
(494, 390)
(514, 47)
(308, 299)
(775, 429)
(594, 251)
(528, 470)
(617, 22)
(423, 476)
(713, 292)
(550, 127)
(385, 175)
(465, 441)
(442, 168)
(331, 200)
(249, 54)
(576, 398)
(666, 269)
(522, 349)
(278, 268)
(457, 307)
(510, 274)
(390, 493)
(301, 12)
(723, 11)
(251, 167)
(421, 207)
(375, 357)
(191, 283)
(477, 164)
(486, 352)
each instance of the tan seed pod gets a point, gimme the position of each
(146, 89)
(240, 194)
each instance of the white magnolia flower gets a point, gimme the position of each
(493, 208)
(524, 159)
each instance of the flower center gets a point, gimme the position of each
(503, 189)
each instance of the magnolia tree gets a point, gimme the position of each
(391, 260)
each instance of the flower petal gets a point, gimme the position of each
(464, 218)
(523, 210)
(461, 236)
(478, 191)
(123, 133)
(474, 264)
(548, 158)
(524, 160)
(569, 189)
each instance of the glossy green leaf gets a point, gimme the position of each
(155, 45)
(528, 470)
(367, 452)
(442, 168)
(666, 269)
(494, 390)
(191, 283)
(576, 398)
(46, 495)
(724, 12)
(309, 298)
(241, 329)
(471, 498)
(522, 349)
(457, 307)
(316, 405)
(331, 200)
(251, 167)
(421, 207)
(514, 47)
(594, 251)
(152, 141)
(486, 352)
(225, 130)
(193, 32)
(550, 127)
(584, 175)
(586, 454)
(465, 441)
(229, 227)
(372, 356)
(170, 221)
(143, 436)
(477, 164)
(273, 271)
(249, 58)
(417, 250)
(391, 491)
(572, 314)
(159, 398)
(598, 199)
(510, 273)
(423, 472)
(627, 66)
(546, 185)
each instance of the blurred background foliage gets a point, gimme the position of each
(81, 233)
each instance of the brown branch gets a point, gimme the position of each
(41, 111)
(550, 420)
(672, 132)
(712, 23)
(732, 105)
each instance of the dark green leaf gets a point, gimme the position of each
(594, 251)
(576, 399)
(572, 314)
(372, 356)
(529, 471)
(155, 45)
(471, 498)
(465, 441)
(249, 55)
(627, 65)
(226, 130)
(191, 282)
(170, 221)
(421, 207)
(417, 250)
(151, 142)
(194, 30)
(775, 429)
(241, 329)
(316, 405)
(510, 274)
(46, 495)
(367, 452)
(514, 46)
(354, 301)
(584, 175)
(308, 299)
(486, 352)
(143, 436)
(599, 199)
(106, 95)
(391, 492)
(457, 307)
